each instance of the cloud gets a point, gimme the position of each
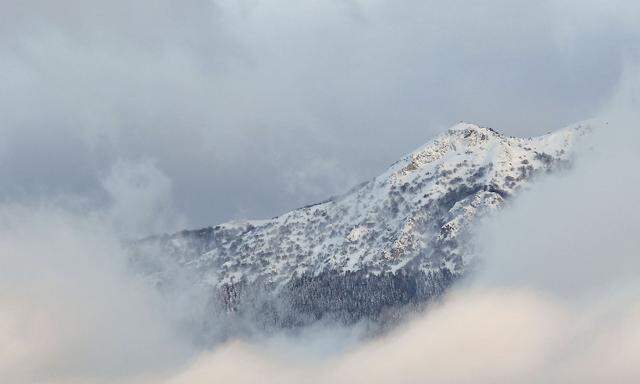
(232, 97)
(69, 309)
(119, 119)
(140, 197)
(480, 336)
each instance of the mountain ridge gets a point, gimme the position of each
(414, 221)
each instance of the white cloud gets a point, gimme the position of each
(69, 309)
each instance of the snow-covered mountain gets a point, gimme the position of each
(398, 239)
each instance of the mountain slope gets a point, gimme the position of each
(400, 238)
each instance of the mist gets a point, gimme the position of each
(124, 120)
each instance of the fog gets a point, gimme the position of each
(123, 120)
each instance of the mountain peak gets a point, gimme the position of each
(464, 126)
(402, 237)
(467, 128)
(415, 221)
(393, 215)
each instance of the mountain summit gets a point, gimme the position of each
(398, 239)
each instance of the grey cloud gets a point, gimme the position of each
(256, 107)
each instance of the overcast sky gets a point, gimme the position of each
(222, 110)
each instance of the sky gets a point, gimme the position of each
(121, 119)
(220, 110)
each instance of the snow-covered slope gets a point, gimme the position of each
(416, 217)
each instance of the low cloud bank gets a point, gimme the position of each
(69, 308)
(485, 336)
